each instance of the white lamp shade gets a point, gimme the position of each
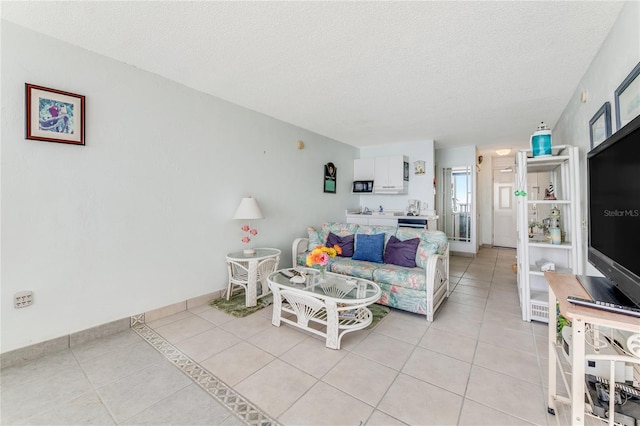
(248, 209)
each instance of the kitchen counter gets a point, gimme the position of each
(432, 217)
(388, 219)
(392, 216)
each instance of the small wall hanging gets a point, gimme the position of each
(600, 125)
(54, 116)
(330, 178)
(627, 98)
(418, 167)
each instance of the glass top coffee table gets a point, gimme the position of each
(338, 303)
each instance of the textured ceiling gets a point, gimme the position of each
(364, 73)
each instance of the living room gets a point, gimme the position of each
(141, 216)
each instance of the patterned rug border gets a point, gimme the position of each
(223, 393)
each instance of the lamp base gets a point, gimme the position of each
(249, 251)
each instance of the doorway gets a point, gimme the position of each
(457, 203)
(504, 203)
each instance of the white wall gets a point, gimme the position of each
(140, 217)
(485, 197)
(459, 157)
(420, 186)
(618, 55)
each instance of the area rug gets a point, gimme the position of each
(236, 306)
(378, 312)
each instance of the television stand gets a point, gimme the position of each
(561, 286)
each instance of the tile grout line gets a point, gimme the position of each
(94, 389)
(226, 395)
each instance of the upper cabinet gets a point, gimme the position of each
(363, 169)
(391, 175)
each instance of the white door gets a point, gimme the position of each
(504, 207)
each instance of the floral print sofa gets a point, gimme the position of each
(420, 289)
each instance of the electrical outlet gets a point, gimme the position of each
(23, 299)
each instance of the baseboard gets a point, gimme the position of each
(37, 350)
(174, 308)
(462, 254)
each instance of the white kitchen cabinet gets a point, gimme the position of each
(378, 220)
(360, 220)
(363, 169)
(533, 172)
(383, 221)
(391, 175)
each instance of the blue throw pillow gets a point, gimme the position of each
(401, 253)
(369, 247)
(345, 243)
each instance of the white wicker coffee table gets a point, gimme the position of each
(338, 304)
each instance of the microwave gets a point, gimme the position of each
(360, 186)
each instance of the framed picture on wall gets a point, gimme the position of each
(627, 98)
(330, 178)
(53, 115)
(600, 125)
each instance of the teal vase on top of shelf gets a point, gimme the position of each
(541, 141)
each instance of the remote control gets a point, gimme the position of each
(604, 306)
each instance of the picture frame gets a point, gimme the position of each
(600, 125)
(627, 98)
(54, 115)
(330, 174)
(419, 167)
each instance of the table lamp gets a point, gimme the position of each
(248, 210)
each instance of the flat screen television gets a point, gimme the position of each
(613, 169)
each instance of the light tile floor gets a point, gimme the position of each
(478, 363)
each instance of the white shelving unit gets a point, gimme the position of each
(534, 175)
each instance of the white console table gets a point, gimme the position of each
(561, 286)
(252, 260)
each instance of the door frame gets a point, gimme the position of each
(498, 163)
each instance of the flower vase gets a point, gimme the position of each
(323, 276)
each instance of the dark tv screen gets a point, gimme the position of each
(614, 209)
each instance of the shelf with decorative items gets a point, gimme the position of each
(548, 237)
